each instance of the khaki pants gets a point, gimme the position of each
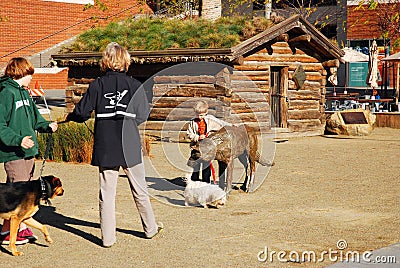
(108, 187)
(19, 170)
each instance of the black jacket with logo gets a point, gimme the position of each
(120, 105)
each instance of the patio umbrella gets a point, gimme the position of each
(350, 55)
(372, 77)
(395, 58)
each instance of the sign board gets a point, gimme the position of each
(354, 118)
(357, 74)
(299, 76)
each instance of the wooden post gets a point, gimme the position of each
(284, 103)
(398, 83)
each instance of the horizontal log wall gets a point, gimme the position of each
(305, 107)
(234, 97)
(73, 95)
(238, 95)
(249, 101)
(174, 98)
(187, 90)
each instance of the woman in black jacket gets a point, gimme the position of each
(120, 105)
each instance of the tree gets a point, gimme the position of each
(303, 7)
(171, 8)
(329, 16)
(386, 18)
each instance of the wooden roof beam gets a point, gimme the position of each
(284, 37)
(331, 63)
(300, 38)
(281, 38)
(297, 39)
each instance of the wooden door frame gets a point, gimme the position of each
(283, 96)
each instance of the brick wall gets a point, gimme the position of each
(357, 28)
(50, 78)
(363, 24)
(25, 21)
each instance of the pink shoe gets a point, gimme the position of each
(27, 234)
(5, 240)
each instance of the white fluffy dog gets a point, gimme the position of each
(203, 193)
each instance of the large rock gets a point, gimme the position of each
(357, 122)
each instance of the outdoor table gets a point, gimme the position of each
(342, 96)
(375, 100)
(334, 101)
(369, 101)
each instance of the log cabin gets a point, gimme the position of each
(274, 80)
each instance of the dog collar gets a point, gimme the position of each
(44, 192)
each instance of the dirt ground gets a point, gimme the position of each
(322, 191)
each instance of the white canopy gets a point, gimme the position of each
(350, 55)
(394, 57)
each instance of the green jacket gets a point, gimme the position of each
(19, 117)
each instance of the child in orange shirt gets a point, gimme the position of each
(198, 129)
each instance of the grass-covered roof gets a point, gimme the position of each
(159, 34)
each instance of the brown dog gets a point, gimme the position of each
(225, 145)
(19, 201)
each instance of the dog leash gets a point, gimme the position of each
(212, 167)
(42, 183)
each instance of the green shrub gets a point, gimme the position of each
(72, 142)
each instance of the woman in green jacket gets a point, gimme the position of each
(19, 119)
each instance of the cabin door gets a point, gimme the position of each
(278, 96)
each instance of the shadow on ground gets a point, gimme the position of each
(48, 215)
(166, 190)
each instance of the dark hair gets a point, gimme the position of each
(18, 68)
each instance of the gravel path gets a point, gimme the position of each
(321, 190)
